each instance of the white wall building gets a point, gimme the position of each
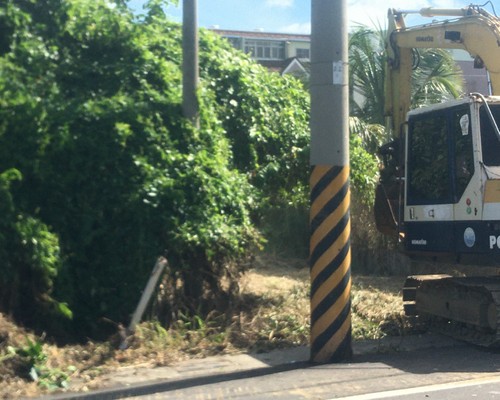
(290, 54)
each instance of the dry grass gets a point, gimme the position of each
(272, 311)
(377, 307)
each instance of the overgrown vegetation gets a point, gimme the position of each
(92, 130)
(100, 174)
(272, 311)
(32, 361)
(103, 174)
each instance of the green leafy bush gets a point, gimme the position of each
(266, 117)
(31, 360)
(31, 260)
(113, 175)
(91, 117)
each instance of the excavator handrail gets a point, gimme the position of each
(447, 12)
(489, 113)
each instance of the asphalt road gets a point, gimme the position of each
(460, 372)
(405, 368)
(474, 389)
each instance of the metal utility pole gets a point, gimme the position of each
(330, 252)
(190, 105)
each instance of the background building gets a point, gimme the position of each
(279, 52)
(290, 54)
(476, 79)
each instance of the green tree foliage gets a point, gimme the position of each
(30, 257)
(267, 122)
(366, 74)
(266, 118)
(113, 175)
(91, 117)
(436, 76)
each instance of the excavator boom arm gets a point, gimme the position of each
(474, 30)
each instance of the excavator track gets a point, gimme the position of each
(466, 309)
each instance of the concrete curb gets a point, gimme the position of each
(140, 381)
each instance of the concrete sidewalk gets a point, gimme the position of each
(140, 380)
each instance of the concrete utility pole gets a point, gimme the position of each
(330, 252)
(190, 105)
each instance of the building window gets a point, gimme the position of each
(302, 53)
(265, 49)
(235, 42)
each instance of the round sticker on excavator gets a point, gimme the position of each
(469, 237)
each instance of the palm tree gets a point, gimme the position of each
(436, 76)
(366, 74)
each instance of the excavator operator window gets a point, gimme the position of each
(490, 144)
(429, 179)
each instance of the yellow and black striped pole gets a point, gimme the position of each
(330, 264)
(330, 253)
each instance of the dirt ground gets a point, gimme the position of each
(277, 315)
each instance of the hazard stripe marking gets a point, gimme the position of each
(334, 212)
(330, 259)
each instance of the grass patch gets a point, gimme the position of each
(377, 307)
(272, 311)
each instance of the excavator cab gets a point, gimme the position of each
(440, 166)
(443, 189)
(439, 191)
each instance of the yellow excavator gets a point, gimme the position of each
(439, 192)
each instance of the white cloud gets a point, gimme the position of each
(279, 3)
(302, 28)
(374, 12)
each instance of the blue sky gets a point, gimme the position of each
(293, 16)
